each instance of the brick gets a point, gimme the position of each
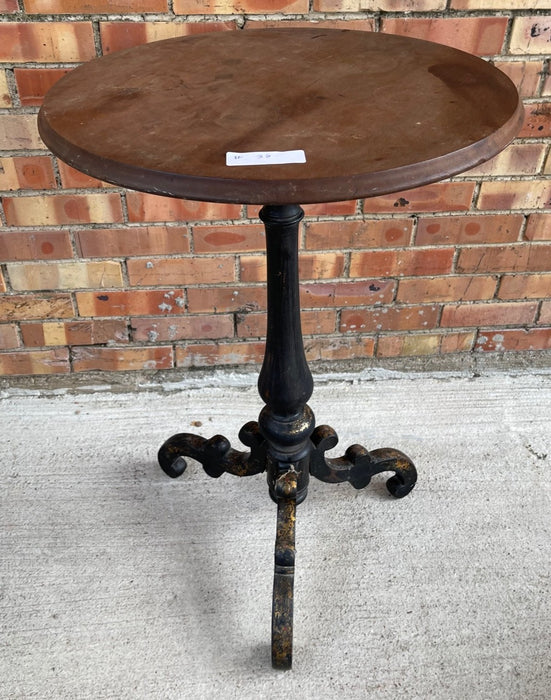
(362, 25)
(513, 340)
(537, 122)
(252, 268)
(411, 345)
(34, 83)
(9, 339)
(457, 342)
(5, 97)
(69, 7)
(226, 299)
(447, 230)
(150, 207)
(482, 36)
(71, 178)
(46, 42)
(538, 227)
(86, 359)
(332, 349)
(545, 313)
(253, 325)
(342, 294)
(500, 4)
(19, 131)
(397, 318)
(376, 233)
(345, 208)
(25, 307)
(531, 35)
(232, 7)
(35, 245)
(212, 239)
(65, 275)
(54, 361)
(27, 173)
(116, 36)
(206, 326)
(430, 290)
(488, 314)
(515, 194)
(137, 302)
(311, 267)
(525, 286)
(379, 5)
(209, 354)
(180, 271)
(132, 241)
(513, 258)
(517, 159)
(441, 196)
(321, 266)
(53, 210)
(400, 263)
(524, 74)
(74, 333)
(322, 322)
(9, 6)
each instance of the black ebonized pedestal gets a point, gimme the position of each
(284, 442)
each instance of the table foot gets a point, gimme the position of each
(284, 571)
(357, 466)
(215, 454)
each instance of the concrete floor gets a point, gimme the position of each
(117, 582)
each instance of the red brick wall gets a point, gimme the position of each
(95, 277)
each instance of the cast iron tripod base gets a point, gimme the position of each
(357, 466)
(284, 442)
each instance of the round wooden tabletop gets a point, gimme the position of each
(374, 113)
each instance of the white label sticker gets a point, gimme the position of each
(265, 157)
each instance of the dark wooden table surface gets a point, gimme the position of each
(374, 113)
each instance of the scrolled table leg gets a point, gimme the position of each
(357, 466)
(284, 571)
(215, 454)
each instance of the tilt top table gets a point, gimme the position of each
(282, 117)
